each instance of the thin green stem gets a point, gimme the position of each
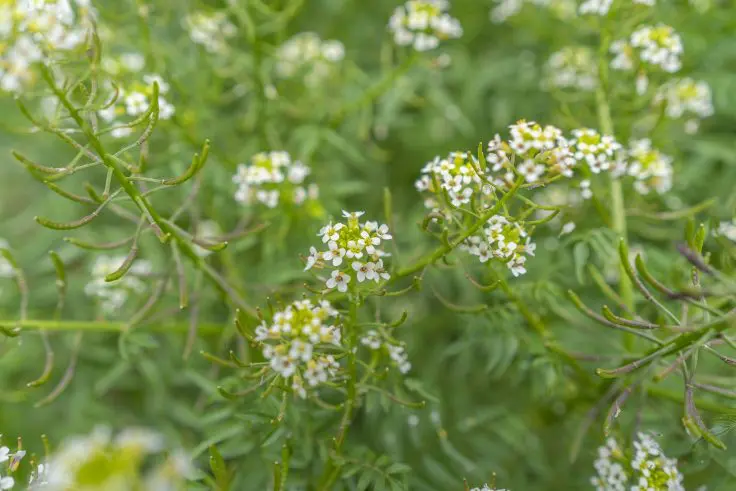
(618, 211)
(104, 326)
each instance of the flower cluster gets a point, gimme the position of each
(486, 487)
(457, 175)
(353, 249)
(504, 9)
(572, 68)
(503, 240)
(134, 100)
(211, 30)
(727, 229)
(273, 178)
(308, 56)
(657, 46)
(651, 168)
(126, 63)
(294, 343)
(8, 482)
(112, 295)
(597, 151)
(422, 24)
(30, 33)
(686, 97)
(396, 350)
(602, 7)
(648, 469)
(610, 473)
(101, 461)
(652, 469)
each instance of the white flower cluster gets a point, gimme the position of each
(126, 63)
(422, 24)
(113, 294)
(651, 168)
(396, 351)
(648, 470)
(659, 46)
(611, 475)
(31, 31)
(504, 9)
(273, 178)
(211, 30)
(727, 229)
(486, 487)
(134, 100)
(353, 249)
(652, 469)
(7, 482)
(456, 174)
(310, 57)
(103, 461)
(686, 97)
(597, 151)
(602, 7)
(503, 240)
(573, 67)
(294, 343)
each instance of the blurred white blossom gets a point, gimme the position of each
(423, 24)
(309, 57)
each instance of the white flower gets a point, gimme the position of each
(210, 30)
(271, 178)
(6, 482)
(311, 58)
(4, 454)
(365, 271)
(423, 24)
(656, 46)
(572, 68)
(312, 259)
(338, 280)
(595, 7)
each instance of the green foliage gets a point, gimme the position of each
(622, 325)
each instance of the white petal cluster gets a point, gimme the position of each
(112, 295)
(6, 482)
(133, 100)
(396, 351)
(33, 31)
(211, 30)
(503, 240)
(273, 178)
(686, 97)
(125, 64)
(649, 469)
(295, 343)
(610, 472)
(602, 7)
(101, 460)
(504, 9)
(654, 46)
(354, 250)
(422, 24)
(597, 151)
(456, 174)
(652, 469)
(486, 487)
(308, 56)
(651, 168)
(573, 67)
(727, 230)
(595, 7)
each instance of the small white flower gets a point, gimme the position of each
(338, 280)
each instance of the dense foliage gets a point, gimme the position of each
(338, 244)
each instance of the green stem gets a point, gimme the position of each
(618, 211)
(332, 468)
(165, 230)
(104, 326)
(444, 249)
(532, 319)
